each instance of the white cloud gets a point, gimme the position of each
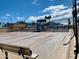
(57, 12)
(63, 13)
(33, 18)
(20, 18)
(54, 8)
(7, 14)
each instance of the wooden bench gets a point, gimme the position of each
(25, 52)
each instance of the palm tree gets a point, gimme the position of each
(47, 18)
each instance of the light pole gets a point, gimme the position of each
(75, 26)
(11, 20)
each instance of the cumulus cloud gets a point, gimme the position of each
(54, 8)
(57, 12)
(33, 18)
(63, 13)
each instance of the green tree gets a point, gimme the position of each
(47, 18)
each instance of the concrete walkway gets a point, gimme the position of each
(63, 51)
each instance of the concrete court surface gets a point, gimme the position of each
(43, 43)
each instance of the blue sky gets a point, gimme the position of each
(30, 9)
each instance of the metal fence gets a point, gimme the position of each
(40, 26)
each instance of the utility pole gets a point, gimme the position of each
(75, 26)
(11, 20)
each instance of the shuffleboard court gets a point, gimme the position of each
(42, 43)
